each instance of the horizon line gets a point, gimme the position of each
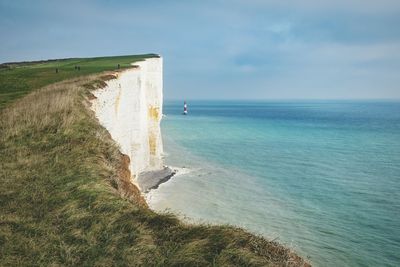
(283, 99)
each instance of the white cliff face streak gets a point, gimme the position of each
(130, 108)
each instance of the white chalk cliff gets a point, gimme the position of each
(130, 108)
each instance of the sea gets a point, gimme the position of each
(321, 177)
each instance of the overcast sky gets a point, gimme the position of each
(239, 49)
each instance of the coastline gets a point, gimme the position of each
(129, 106)
(80, 192)
(131, 111)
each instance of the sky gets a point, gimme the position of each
(238, 49)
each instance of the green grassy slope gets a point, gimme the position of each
(64, 199)
(17, 79)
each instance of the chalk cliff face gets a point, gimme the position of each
(130, 108)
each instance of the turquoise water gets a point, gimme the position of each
(321, 177)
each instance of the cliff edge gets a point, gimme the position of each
(130, 108)
(66, 197)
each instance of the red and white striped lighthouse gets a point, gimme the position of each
(184, 108)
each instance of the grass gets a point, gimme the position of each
(66, 199)
(18, 79)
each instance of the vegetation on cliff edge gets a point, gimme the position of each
(65, 200)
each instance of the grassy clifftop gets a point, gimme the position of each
(17, 79)
(64, 195)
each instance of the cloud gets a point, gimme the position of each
(280, 28)
(215, 48)
(358, 6)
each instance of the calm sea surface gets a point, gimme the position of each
(322, 177)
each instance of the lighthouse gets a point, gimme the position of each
(184, 108)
